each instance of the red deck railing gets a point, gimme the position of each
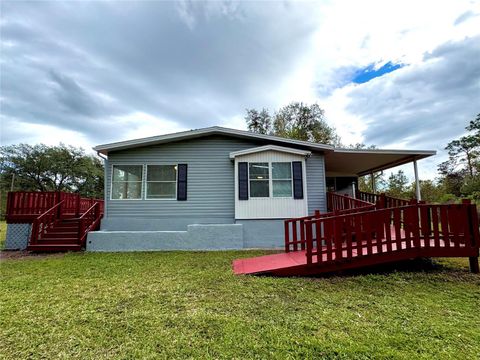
(90, 220)
(26, 206)
(387, 201)
(344, 202)
(336, 204)
(44, 210)
(420, 230)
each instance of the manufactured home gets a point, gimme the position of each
(220, 188)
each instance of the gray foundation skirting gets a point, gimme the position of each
(197, 237)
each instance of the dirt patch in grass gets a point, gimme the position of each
(23, 254)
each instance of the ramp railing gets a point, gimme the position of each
(413, 230)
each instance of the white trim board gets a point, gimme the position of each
(276, 148)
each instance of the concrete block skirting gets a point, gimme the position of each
(197, 237)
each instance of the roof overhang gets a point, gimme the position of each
(283, 149)
(215, 130)
(363, 162)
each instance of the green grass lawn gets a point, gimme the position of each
(3, 233)
(190, 305)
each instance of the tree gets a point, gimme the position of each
(461, 172)
(475, 125)
(259, 121)
(397, 185)
(294, 121)
(465, 151)
(431, 191)
(50, 168)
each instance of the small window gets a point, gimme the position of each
(161, 181)
(127, 182)
(259, 180)
(282, 179)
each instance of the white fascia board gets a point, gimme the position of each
(387, 152)
(215, 130)
(234, 154)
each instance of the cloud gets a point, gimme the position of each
(105, 71)
(421, 106)
(79, 66)
(425, 102)
(464, 17)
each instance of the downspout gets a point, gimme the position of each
(105, 202)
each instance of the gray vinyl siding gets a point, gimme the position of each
(210, 180)
(316, 183)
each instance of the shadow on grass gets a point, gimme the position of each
(420, 265)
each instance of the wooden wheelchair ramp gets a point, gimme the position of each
(322, 244)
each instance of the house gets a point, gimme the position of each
(220, 188)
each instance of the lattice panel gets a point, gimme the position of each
(17, 236)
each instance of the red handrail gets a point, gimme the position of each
(343, 202)
(89, 221)
(44, 221)
(385, 200)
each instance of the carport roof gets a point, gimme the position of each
(363, 162)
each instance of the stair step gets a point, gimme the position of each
(58, 234)
(63, 229)
(67, 240)
(54, 247)
(72, 220)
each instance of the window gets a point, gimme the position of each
(127, 182)
(161, 181)
(259, 179)
(282, 179)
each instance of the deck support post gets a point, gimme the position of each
(417, 181)
(372, 180)
(474, 268)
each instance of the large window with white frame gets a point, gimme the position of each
(161, 182)
(127, 182)
(259, 176)
(281, 179)
(270, 179)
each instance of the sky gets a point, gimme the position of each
(401, 75)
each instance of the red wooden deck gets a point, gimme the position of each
(361, 236)
(60, 221)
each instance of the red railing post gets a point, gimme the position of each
(474, 237)
(309, 241)
(77, 205)
(302, 234)
(287, 236)
(58, 198)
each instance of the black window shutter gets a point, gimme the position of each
(242, 181)
(182, 182)
(297, 180)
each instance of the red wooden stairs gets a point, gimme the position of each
(60, 236)
(60, 221)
